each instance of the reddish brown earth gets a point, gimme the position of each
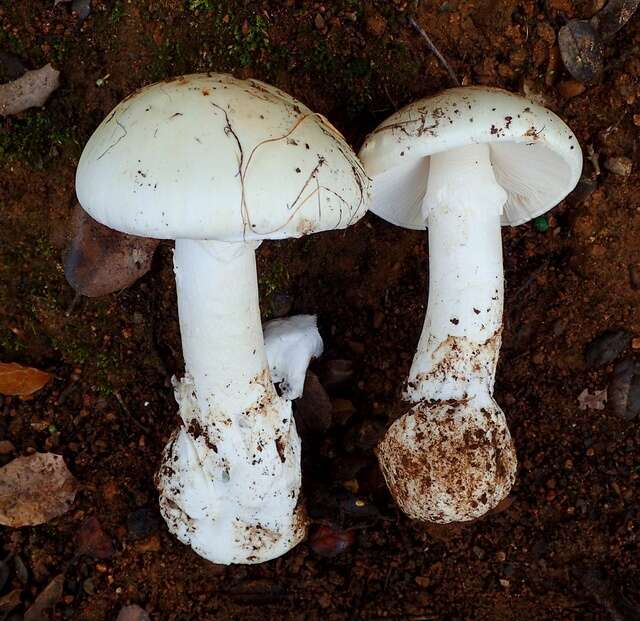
(565, 543)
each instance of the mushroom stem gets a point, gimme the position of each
(458, 349)
(220, 326)
(230, 478)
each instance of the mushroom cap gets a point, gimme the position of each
(536, 158)
(207, 156)
(451, 461)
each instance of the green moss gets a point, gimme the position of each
(276, 278)
(320, 59)
(202, 5)
(10, 346)
(117, 12)
(251, 43)
(32, 138)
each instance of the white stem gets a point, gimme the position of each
(230, 479)
(460, 341)
(220, 325)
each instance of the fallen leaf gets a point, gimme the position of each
(47, 598)
(613, 17)
(133, 613)
(8, 602)
(28, 91)
(17, 380)
(595, 401)
(100, 260)
(581, 50)
(35, 489)
(92, 540)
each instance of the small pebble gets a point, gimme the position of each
(329, 541)
(571, 88)
(6, 447)
(606, 347)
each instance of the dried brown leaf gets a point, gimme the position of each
(581, 50)
(17, 380)
(613, 17)
(28, 91)
(35, 489)
(100, 260)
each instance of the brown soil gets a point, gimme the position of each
(565, 543)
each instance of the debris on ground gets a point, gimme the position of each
(31, 90)
(100, 261)
(35, 489)
(20, 381)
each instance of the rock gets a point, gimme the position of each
(606, 347)
(143, 522)
(151, 544)
(624, 388)
(571, 88)
(312, 411)
(92, 540)
(621, 166)
(81, 8)
(319, 23)
(376, 24)
(330, 541)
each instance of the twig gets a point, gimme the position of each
(73, 305)
(128, 412)
(435, 50)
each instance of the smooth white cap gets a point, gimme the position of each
(207, 156)
(536, 158)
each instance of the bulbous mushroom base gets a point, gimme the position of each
(231, 491)
(449, 461)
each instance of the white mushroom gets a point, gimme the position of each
(219, 164)
(462, 163)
